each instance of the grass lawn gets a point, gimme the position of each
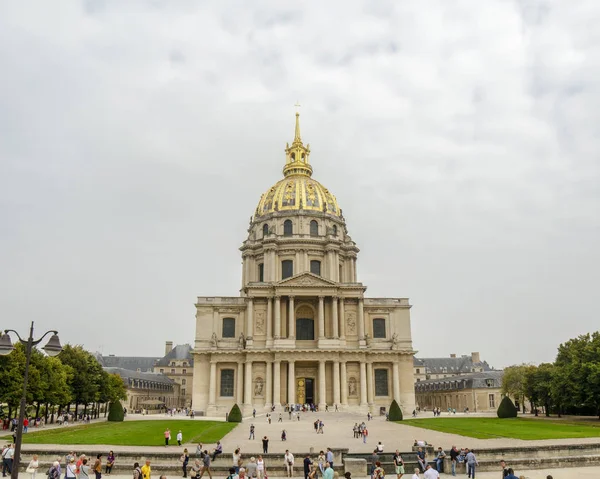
(517, 428)
(132, 433)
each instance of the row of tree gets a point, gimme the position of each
(569, 385)
(58, 385)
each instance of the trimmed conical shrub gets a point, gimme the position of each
(115, 412)
(395, 413)
(506, 408)
(235, 415)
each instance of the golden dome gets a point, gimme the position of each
(297, 191)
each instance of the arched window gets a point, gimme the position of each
(265, 230)
(228, 328)
(261, 272)
(315, 267)
(287, 228)
(314, 228)
(305, 329)
(379, 328)
(287, 268)
(334, 230)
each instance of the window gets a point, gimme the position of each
(226, 382)
(183, 392)
(315, 267)
(489, 383)
(287, 268)
(492, 401)
(287, 228)
(381, 382)
(265, 230)
(305, 329)
(334, 230)
(184, 371)
(162, 370)
(314, 228)
(183, 381)
(228, 328)
(418, 371)
(261, 272)
(379, 328)
(173, 371)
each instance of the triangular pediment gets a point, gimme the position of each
(307, 279)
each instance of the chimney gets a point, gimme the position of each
(475, 358)
(168, 347)
(453, 356)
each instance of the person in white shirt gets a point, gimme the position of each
(179, 438)
(33, 466)
(379, 447)
(431, 473)
(416, 474)
(288, 460)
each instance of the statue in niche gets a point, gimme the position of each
(213, 340)
(258, 387)
(395, 341)
(352, 387)
(242, 341)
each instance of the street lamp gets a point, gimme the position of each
(52, 348)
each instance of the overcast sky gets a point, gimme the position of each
(461, 139)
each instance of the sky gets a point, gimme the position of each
(461, 138)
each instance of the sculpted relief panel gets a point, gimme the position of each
(351, 323)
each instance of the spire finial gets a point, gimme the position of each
(296, 162)
(297, 137)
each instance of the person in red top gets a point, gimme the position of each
(25, 424)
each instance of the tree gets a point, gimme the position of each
(506, 409)
(235, 415)
(395, 413)
(84, 384)
(538, 386)
(513, 382)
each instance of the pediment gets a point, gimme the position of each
(307, 279)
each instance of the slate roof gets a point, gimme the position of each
(178, 353)
(127, 374)
(460, 365)
(132, 363)
(468, 381)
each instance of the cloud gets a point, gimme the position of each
(460, 139)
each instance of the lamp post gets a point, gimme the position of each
(52, 348)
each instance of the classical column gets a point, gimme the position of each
(277, 317)
(344, 381)
(370, 383)
(248, 383)
(269, 319)
(291, 318)
(291, 382)
(361, 319)
(342, 318)
(269, 388)
(363, 384)
(240, 383)
(250, 318)
(322, 389)
(396, 381)
(334, 314)
(273, 266)
(297, 264)
(276, 383)
(212, 388)
(305, 261)
(336, 382)
(321, 318)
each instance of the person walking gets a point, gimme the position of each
(365, 433)
(237, 460)
(33, 466)
(251, 468)
(84, 469)
(185, 459)
(471, 463)
(110, 462)
(398, 464)
(378, 472)
(321, 461)
(167, 436)
(98, 466)
(261, 470)
(137, 472)
(265, 444)
(288, 460)
(307, 464)
(251, 436)
(7, 459)
(328, 474)
(70, 469)
(374, 460)
(146, 470)
(431, 473)
(206, 464)
(179, 438)
(329, 457)
(416, 474)
(504, 468)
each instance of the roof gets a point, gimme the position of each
(181, 352)
(484, 380)
(461, 365)
(133, 363)
(128, 374)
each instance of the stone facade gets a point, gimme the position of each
(439, 368)
(178, 365)
(480, 392)
(302, 330)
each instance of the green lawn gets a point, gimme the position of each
(132, 433)
(518, 428)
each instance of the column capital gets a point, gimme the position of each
(321, 298)
(291, 296)
(277, 297)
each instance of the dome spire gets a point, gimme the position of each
(297, 155)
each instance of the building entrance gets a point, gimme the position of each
(305, 390)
